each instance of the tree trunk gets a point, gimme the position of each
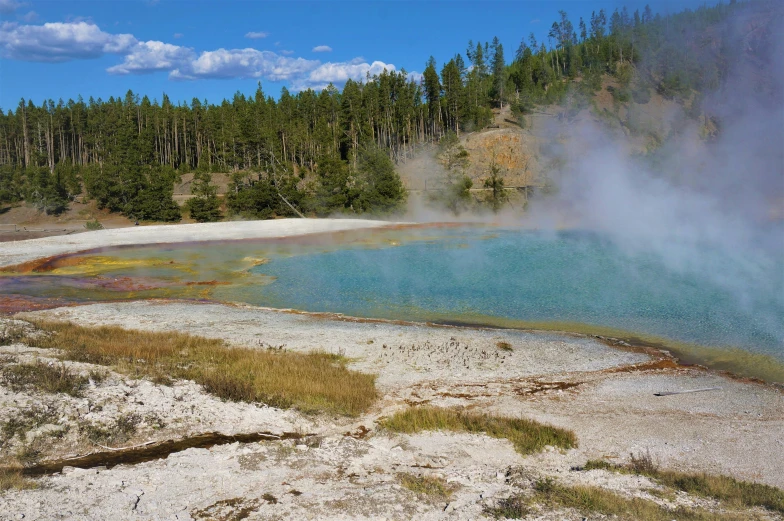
(26, 136)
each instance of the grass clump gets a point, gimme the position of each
(11, 478)
(527, 436)
(728, 490)
(47, 378)
(11, 334)
(309, 382)
(592, 500)
(431, 487)
(26, 420)
(123, 428)
(513, 507)
(643, 463)
(504, 346)
(598, 464)
(234, 509)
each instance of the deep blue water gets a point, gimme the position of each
(712, 299)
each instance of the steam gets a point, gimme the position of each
(712, 208)
(724, 193)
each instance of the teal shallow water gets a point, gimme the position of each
(701, 296)
(535, 277)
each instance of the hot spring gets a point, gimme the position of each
(716, 311)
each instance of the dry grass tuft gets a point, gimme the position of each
(643, 463)
(591, 500)
(309, 382)
(730, 491)
(234, 509)
(47, 378)
(513, 507)
(24, 421)
(594, 464)
(431, 487)
(122, 429)
(527, 436)
(11, 334)
(504, 346)
(11, 477)
(269, 498)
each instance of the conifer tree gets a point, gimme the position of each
(499, 72)
(204, 206)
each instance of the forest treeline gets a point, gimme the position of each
(334, 150)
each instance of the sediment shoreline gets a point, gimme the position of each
(18, 252)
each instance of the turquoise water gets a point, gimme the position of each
(566, 276)
(683, 294)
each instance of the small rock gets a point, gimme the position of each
(83, 408)
(301, 447)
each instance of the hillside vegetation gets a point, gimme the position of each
(318, 153)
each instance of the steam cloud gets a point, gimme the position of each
(715, 209)
(707, 208)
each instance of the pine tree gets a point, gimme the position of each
(204, 206)
(499, 72)
(453, 94)
(495, 182)
(382, 189)
(433, 96)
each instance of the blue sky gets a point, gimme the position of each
(210, 50)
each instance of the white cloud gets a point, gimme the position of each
(59, 42)
(256, 35)
(9, 6)
(73, 40)
(414, 76)
(244, 63)
(32, 16)
(178, 35)
(152, 56)
(322, 48)
(338, 73)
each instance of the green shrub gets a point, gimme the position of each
(93, 225)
